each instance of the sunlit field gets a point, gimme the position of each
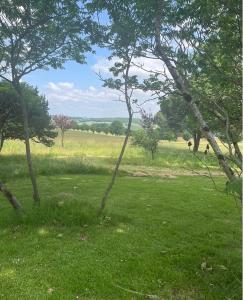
(167, 233)
(83, 151)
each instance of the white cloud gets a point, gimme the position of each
(66, 91)
(141, 66)
(66, 85)
(66, 98)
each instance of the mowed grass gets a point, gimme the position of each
(174, 238)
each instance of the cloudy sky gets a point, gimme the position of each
(76, 90)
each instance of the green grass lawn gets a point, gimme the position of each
(174, 238)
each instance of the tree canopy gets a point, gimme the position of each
(41, 129)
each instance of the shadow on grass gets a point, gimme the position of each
(14, 166)
(62, 210)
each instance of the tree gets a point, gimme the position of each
(39, 35)
(179, 119)
(165, 132)
(126, 86)
(102, 127)
(84, 127)
(148, 137)
(117, 128)
(92, 127)
(122, 45)
(63, 123)
(11, 125)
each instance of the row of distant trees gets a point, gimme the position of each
(116, 127)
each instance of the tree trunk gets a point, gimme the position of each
(62, 138)
(182, 87)
(1, 142)
(237, 151)
(36, 196)
(196, 141)
(110, 185)
(13, 201)
(152, 154)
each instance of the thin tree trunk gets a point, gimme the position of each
(13, 201)
(113, 178)
(180, 83)
(62, 138)
(128, 131)
(237, 151)
(36, 196)
(196, 141)
(152, 154)
(1, 142)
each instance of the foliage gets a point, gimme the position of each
(43, 34)
(41, 129)
(117, 128)
(149, 136)
(186, 135)
(164, 131)
(63, 122)
(235, 187)
(84, 127)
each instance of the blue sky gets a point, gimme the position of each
(77, 91)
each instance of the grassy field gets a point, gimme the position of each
(97, 153)
(164, 235)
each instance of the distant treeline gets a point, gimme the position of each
(116, 127)
(105, 120)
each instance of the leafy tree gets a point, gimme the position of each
(40, 35)
(84, 127)
(179, 119)
(11, 125)
(147, 141)
(148, 137)
(63, 123)
(93, 127)
(74, 125)
(117, 128)
(99, 127)
(102, 127)
(120, 42)
(186, 135)
(164, 130)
